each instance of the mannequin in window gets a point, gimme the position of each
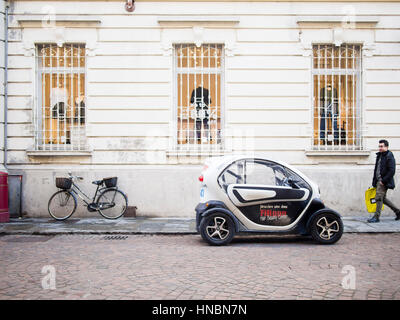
(329, 110)
(59, 104)
(202, 99)
(79, 114)
(58, 100)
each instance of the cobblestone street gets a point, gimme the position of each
(184, 267)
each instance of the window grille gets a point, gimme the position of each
(336, 75)
(61, 98)
(199, 72)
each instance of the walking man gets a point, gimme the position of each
(385, 167)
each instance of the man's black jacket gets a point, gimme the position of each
(388, 168)
(202, 93)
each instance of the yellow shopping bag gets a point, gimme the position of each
(370, 202)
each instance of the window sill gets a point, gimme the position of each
(59, 153)
(362, 153)
(196, 153)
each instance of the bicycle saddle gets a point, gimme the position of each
(98, 182)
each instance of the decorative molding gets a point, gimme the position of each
(336, 19)
(329, 153)
(199, 26)
(91, 46)
(198, 20)
(59, 153)
(47, 21)
(337, 37)
(307, 48)
(368, 49)
(59, 35)
(230, 48)
(166, 45)
(28, 48)
(198, 33)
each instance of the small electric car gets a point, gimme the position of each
(240, 194)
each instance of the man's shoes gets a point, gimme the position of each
(374, 219)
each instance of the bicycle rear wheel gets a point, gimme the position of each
(112, 204)
(62, 205)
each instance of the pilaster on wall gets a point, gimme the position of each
(2, 73)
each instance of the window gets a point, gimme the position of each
(233, 174)
(198, 94)
(260, 172)
(61, 99)
(337, 97)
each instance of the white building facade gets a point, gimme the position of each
(147, 95)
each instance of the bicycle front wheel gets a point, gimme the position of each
(112, 204)
(62, 205)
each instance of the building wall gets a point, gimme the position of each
(267, 90)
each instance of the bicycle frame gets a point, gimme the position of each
(77, 191)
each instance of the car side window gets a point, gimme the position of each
(253, 172)
(259, 173)
(233, 174)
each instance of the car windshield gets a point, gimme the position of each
(257, 171)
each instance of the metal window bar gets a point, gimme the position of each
(337, 103)
(198, 111)
(60, 115)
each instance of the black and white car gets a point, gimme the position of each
(240, 194)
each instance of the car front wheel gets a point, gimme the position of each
(326, 228)
(217, 229)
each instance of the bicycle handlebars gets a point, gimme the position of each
(77, 177)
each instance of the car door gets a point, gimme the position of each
(267, 193)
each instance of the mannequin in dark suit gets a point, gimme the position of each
(329, 109)
(201, 97)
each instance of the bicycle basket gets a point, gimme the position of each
(63, 183)
(110, 182)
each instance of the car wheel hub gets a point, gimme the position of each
(216, 229)
(327, 229)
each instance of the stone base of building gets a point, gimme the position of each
(174, 191)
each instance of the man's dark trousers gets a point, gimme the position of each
(381, 199)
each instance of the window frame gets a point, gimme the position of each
(192, 148)
(359, 77)
(38, 103)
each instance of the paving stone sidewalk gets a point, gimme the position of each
(182, 266)
(154, 226)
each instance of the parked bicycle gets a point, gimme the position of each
(111, 202)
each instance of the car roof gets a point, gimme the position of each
(219, 160)
(223, 161)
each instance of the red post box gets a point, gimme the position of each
(4, 214)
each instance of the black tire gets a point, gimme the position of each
(212, 232)
(112, 203)
(60, 205)
(326, 228)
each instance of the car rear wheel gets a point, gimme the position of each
(326, 228)
(217, 229)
